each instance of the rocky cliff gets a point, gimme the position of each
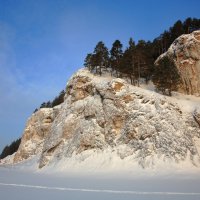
(35, 133)
(185, 51)
(104, 113)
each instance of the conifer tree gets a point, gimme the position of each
(166, 77)
(100, 57)
(131, 44)
(127, 61)
(88, 61)
(115, 55)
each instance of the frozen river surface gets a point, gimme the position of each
(21, 185)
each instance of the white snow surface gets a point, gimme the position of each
(20, 184)
(187, 103)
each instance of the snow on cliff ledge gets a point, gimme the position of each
(107, 123)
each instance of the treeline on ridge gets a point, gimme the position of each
(57, 101)
(10, 149)
(137, 60)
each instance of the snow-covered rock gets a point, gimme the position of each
(35, 133)
(104, 114)
(185, 51)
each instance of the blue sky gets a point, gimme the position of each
(43, 42)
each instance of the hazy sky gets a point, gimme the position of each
(43, 42)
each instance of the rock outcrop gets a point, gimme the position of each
(35, 133)
(185, 51)
(102, 113)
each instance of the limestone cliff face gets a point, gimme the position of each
(185, 51)
(102, 113)
(35, 133)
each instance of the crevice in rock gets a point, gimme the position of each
(101, 96)
(196, 120)
(52, 149)
(104, 117)
(89, 117)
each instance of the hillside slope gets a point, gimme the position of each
(107, 123)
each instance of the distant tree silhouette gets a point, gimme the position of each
(163, 42)
(56, 101)
(59, 99)
(10, 149)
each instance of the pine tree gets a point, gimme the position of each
(125, 65)
(88, 61)
(127, 62)
(131, 44)
(176, 30)
(190, 25)
(100, 57)
(115, 55)
(166, 77)
(144, 60)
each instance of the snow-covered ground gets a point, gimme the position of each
(22, 184)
